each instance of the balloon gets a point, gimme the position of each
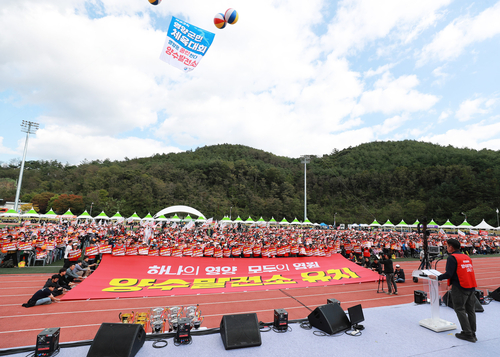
(219, 21)
(154, 2)
(231, 16)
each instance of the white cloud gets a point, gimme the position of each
(392, 95)
(470, 107)
(71, 146)
(476, 136)
(5, 150)
(357, 23)
(444, 115)
(449, 43)
(379, 70)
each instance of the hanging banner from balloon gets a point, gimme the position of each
(185, 45)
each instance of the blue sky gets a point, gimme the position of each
(291, 77)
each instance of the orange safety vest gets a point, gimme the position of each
(465, 271)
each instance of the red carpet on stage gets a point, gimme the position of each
(140, 276)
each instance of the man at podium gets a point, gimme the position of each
(460, 275)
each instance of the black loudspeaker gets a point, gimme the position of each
(117, 340)
(239, 331)
(420, 297)
(449, 302)
(329, 318)
(495, 295)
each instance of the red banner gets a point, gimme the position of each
(25, 246)
(105, 249)
(138, 276)
(74, 254)
(91, 251)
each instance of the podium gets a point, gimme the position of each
(434, 323)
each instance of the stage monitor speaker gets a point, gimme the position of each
(495, 295)
(117, 340)
(420, 297)
(447, 300)
(239, 331)
(329, 318)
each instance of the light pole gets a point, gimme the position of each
(498, 222)
(27, 127)
(334, 221)
(305, 160)
(91, 208)
(465, 216)
(230, 210)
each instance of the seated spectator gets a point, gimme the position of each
(64, 280)
(71, 273)
(42, 297)
(81, 271)
(399, 274)
(87, 264)
(54, 279)
(367, 263)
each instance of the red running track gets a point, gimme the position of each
(79, 320)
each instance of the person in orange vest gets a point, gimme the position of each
(218, 251)
(209, 250)
(460, 275)
(226, 251)
(257, 250)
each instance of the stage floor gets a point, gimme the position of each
(389, 331)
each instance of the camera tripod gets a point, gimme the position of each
(380, 287)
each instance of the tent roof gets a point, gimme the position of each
(295, 221)
(148, 217)
(238, 220)
(135, 217)
(465, 224)
(448, 224)
(402, 224)
(484, 225)
(181, 209)
(272, 221)
(117, 215)
(374, 223)
(84, 215)
(10, 213)
(101, 215)
(31, 213)
(388, 224)
(284, 221)
(249, 220)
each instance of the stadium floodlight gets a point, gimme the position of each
(27, 127)
(305, 160)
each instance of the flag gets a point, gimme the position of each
(460, 233)
(473, 232)
(185, 45)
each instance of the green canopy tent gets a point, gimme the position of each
(449, 225)
(148, 217)
(375, 223)
(30, 214)
(134, 217)
(238, 220)
(85, 215)
(68, 215)
(102, 216)
(402, 224)
(249, 221)
(117, 217)
(201, 219)
(161, 218)
(50, 215)
(295, 222)
(188, 219)
(307, 222)
(175, 218)
(272, 221)
(261, 221)
(284, 222)
(10, 215)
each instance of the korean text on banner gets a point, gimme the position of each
(185, 45)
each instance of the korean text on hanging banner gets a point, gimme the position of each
(185, 45)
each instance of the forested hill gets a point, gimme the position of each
(382, 180)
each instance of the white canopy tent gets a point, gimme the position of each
(484, 226)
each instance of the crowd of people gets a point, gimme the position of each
(88, 241)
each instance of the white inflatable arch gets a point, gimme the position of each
(179, 209)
